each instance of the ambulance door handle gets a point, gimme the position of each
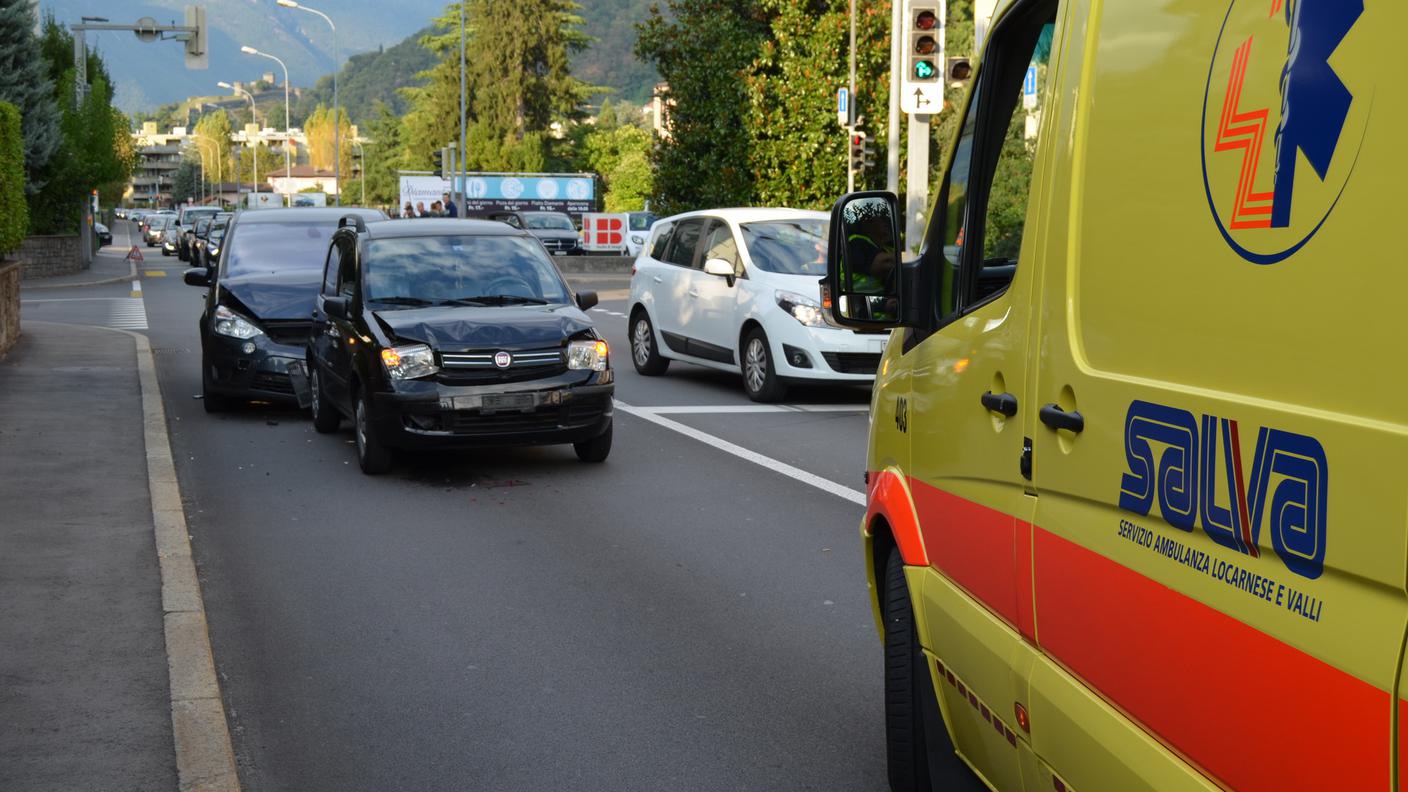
(1001, 403)
(1053, 416)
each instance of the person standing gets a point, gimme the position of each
(451, 210)
(408, 210)
(420, 209)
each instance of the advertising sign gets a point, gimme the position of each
(263, 200)
(604, 233)
(573, 193)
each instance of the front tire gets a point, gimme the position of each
(644, 354)
(373, 457)
(596, 449)
(909, 689)
(760, 379)
(212, 402)
(325, 416)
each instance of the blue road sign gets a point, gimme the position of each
(1029, 84)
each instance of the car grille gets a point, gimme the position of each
(852, 362)
(288, 333)
(474, 366)
(272, 381)
(576, 413)
(554, 245)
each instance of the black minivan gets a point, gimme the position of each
(454, 333)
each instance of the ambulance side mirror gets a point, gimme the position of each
(863, 287)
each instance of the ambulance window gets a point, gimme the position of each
(990, 182)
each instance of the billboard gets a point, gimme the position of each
(573, 193)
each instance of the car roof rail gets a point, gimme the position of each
(353, 220)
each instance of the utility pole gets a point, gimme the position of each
(851, 128)
(457, 185)
(892, 130)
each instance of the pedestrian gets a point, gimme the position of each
(436, 210)
(408, 210)
(420, 210)
(450, 209)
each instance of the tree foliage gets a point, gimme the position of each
(320, 129)
(213, 135)
(704, 50)
(621, 155)
(26, 83)
(14, 212)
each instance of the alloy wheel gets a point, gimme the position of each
(640, 342)
(755, 365)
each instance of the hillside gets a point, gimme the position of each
(370, 77)
(610, 61)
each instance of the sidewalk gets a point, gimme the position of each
(109, 263)
(86, 685)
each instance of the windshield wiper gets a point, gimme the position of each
(402, 301)
(488, 299)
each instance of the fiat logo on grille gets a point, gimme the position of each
(503, 359)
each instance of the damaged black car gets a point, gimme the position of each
(454, 334)
(259, 306)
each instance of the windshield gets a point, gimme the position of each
(555, 222)
(789, 247)
(640, 221)
(468, 270)
(279, 247)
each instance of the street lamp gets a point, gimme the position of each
(288, 135)
(200, 149)
(219, 164)
(336, 117)
(253, 149)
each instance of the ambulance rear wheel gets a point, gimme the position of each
(908, 689)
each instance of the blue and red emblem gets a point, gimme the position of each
(1281, 126)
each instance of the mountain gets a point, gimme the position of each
(152, 74)
(385, 34)
(371, 77)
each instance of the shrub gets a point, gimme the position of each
(14, 211)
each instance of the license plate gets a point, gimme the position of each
(877, 345)
(559, 252)
(500, 402)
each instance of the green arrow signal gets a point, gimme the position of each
(924, 70)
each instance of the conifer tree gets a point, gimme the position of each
(26, 84)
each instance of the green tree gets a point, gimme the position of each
(14, 211)
(186, 182)
(797, 151)
(26, 84)
(382, 159)
(621, 156)
(704, 50)
(270, 163)
(213, 130)
(321, 144)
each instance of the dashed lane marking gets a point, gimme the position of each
(136, 288)
(775, 465)
(154, 273)
(609, 312)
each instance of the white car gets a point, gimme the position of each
(739, 290)
(638, 232)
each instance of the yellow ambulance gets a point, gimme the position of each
(1137, 515)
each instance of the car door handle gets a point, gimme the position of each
(1056, 418)
(693, 292)
(1000, 403)
(658, 279)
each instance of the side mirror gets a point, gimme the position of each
(586, 299)
(720, 268)
(200, 276)
(862, 287)
(336, 307)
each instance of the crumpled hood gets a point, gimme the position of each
(454, 328)
(276, 295)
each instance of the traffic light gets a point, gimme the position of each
(921, 90)
(959, 70)
(357, 164)
(198, 45)
(440, 159)
(860, 147)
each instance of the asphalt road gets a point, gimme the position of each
(679, 617)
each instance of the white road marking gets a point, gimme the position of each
(777, 466)
(721, 409)
(128, 315)
(609, 312)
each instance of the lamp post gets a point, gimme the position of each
(200, 148)
(288, 136)
(219, 161)
(253, 149)
(361, 155)
(336, 116)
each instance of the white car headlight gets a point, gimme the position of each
(229, 323)
(409, 362)
(586, 355)
(637, 239)
(803, 309)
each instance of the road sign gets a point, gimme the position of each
(843, 106)
(1029, 88)
(922, 84)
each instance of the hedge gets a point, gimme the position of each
(14, 211)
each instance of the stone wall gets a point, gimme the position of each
(593, 264)
(9, 305)
(46, 256)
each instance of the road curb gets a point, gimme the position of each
(205, 758)
(131, 275)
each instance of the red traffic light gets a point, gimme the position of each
(925, 45)
(925, 20)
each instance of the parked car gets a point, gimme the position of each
(638, 231)
(104, 235)
(737, 290)
(170, 240)
(214, 240)
(186, 220)
(554, 229)
(259, 300)
(468, 336)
